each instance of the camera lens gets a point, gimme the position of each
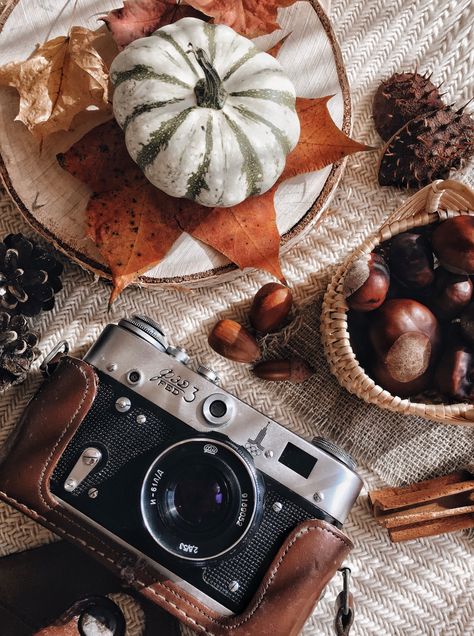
(218, 408)
(201, 498)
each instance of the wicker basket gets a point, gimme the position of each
(438, 201)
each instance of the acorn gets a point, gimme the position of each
(401, 98)
(270, 307)
(233, 341)
(294, 370)
(427, 148)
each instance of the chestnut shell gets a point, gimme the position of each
(453, 244)
(411, 260)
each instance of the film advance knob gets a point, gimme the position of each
(208, 373)
(334, 450)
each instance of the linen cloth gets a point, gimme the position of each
(419, 588)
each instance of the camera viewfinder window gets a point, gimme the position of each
(296, 459)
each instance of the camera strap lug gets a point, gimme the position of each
(57, 352)
(344, 606)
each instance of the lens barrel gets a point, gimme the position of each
(201, 498)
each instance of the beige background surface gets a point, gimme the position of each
(421, 588)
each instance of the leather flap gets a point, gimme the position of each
(46, 427)
(303, 566)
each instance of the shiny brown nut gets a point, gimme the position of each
(234, 342)
(467, 324)
(366, 283)
(270, 307)
(405, 336)
(411, 260)
(451, 294)
(294, 370)
(453, 244)
(454, 375)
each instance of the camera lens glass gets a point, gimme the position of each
(201, 497)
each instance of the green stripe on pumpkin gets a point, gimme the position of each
(147, 107)
(279, 97)
(251, 165)
(210, 32)
(277, 133)
(143, 72)
(159, 139)
(197, 180)
(240, 62)
(168, 38)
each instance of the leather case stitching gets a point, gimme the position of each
(258, 602)
(184, 600)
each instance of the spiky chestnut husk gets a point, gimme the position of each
(427, 148)
(401, 98)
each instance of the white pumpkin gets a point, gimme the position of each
(206, 115)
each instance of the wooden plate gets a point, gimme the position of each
(54, 202)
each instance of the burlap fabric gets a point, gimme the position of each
(421, 588)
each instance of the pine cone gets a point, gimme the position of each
(17, 349)
(427, 148)
(29, 276)
(403, 97)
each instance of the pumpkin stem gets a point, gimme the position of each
(209, 91)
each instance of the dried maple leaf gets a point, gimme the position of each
(139, 18)
(321, 142)
(275, 49)
(60, 79)
(248, 17)
(132, 223)
(246, 233)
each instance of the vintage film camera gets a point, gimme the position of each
(187, 476)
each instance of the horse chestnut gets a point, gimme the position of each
(405, 336)
(453, 244)
(452, 292)
(467, 324)
(411, 260)
(366, 283)
(454, 375)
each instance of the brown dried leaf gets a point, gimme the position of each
(132, 222)
(60, 79)
(139, 18)
(248, 17)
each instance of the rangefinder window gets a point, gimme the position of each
(296, 459)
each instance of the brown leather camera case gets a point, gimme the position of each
(305, 563)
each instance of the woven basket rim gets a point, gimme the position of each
(437, 201)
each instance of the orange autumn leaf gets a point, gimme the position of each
(248, 17)
(321, 142)
(132, 223)
(246, 233)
